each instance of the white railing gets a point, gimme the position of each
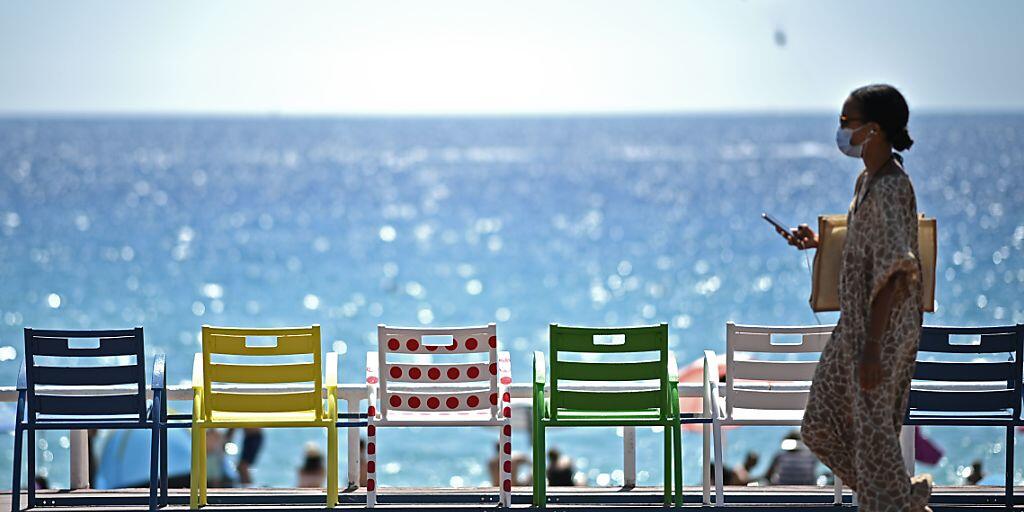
(354, 394)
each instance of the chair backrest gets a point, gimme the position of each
(56, 362)
(295, 342)
(993, 362)
(641, 355)
(457, 384)
(755, 353)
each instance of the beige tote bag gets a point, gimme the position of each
(829, 257)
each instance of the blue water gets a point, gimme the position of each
(175, 222)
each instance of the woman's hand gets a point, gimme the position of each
(869, 371)
(801, 237)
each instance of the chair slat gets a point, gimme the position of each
(594, 371)
(64, 333)
(265, 402)
(957, 371)
(581, 339)
(58, 347)
(85, 376)
(440, 373)
(937, 340)
(264, 374)
(774, 370)
(771, 400)
(440, 402)
(286, 345)
(762, 342)
(105, 405)
(962, 401)
(617, 401)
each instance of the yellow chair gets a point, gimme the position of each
(296, 405)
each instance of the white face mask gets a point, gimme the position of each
(843, 140)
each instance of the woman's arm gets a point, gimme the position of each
(891, 294)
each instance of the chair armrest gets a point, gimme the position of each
(197, 371)
(331, 370)
(197, 387)
(22, 378)
(504, 368)
(673, 368)
(539, 369)
(159, 372)
(711, 395)
(331, 383)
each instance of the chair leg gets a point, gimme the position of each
(719, 471)
(706, 464)
(198, 460)
(16, 473)
(164, 492)
(837, 491)
(371, 464)
(540, 473)
(204, 481)
(332, 466)
(667, 500)
(154, 464)
(31, 477)
(677, 457)
(1009, 467)
(505, 464)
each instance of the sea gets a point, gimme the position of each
(174, 222)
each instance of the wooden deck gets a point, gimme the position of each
(803, 499)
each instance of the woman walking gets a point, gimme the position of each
(860, 389)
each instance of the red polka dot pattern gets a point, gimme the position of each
(507, 412)
(371, 467)
(471, 344)
(493, 368)
(507, 466)
(414, 402)
(494, 399)
(506, 380)
(453, 346)
(506, 397)
(473, 401)
(371, 448)
(415, 373)
(396, 401)
(507, 430)
(431, 347)
(453, 373)
(371, 411)
(473, 372)
(508, 448)
(371, 430)
(396, 372)
(393, 344)
(493, 342)
(452, 402)
(433, 402)
(371, 484)
(434, 373)
(507, 485)
(413, 345)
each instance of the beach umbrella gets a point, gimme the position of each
(925, 450)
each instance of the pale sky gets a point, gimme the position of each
(501, 57)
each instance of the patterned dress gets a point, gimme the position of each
(852, 431)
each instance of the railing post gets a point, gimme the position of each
(629, 457)
(79, 459)
(352, 406)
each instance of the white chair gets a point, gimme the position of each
(763, 391)
(430, 393)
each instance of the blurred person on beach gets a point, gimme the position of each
(560, 469)
(741, 473)
(252, 444)
(860, 388)
(216, 459)
(493, 466)
(313, 471)
(975, 474)
(793, 464)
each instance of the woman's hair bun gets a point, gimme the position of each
(901, 140)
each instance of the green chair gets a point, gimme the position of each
(652, 402)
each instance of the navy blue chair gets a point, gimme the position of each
(992, 367)
(55, 364)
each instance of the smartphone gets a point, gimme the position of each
(788, 234)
